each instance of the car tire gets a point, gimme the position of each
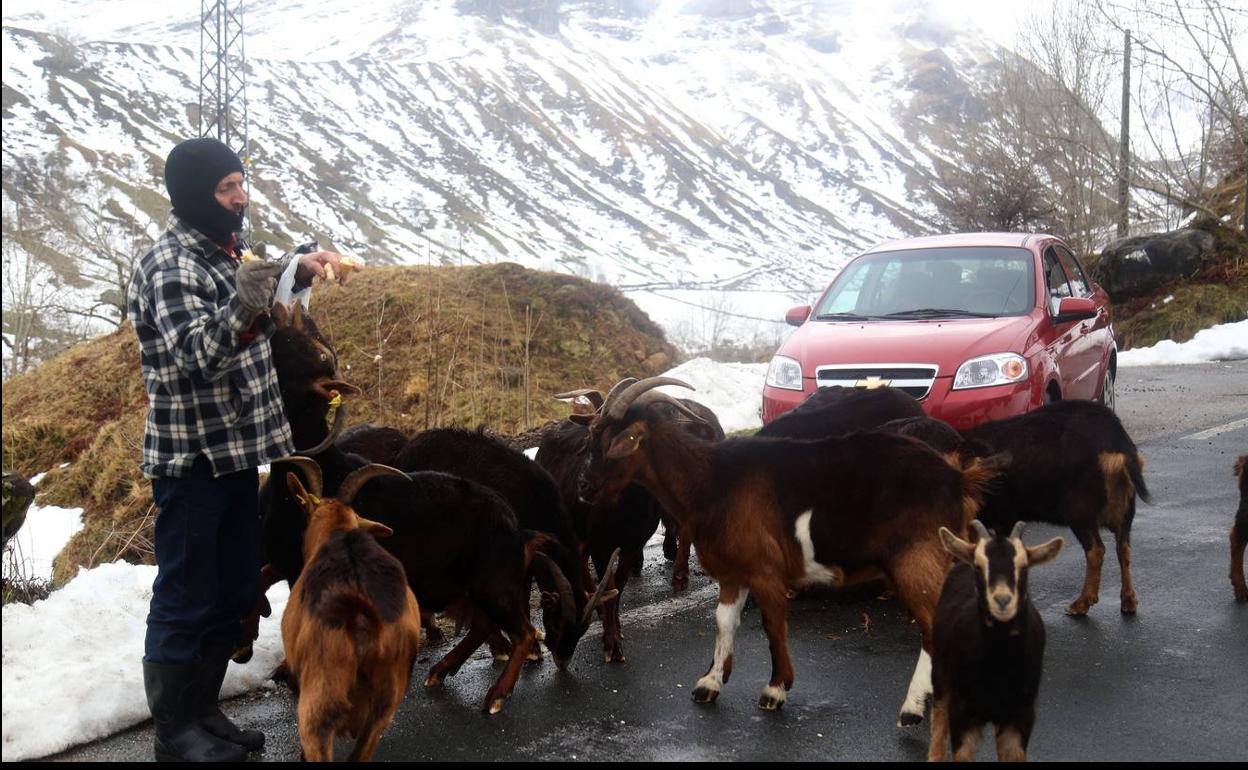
(1109, 397)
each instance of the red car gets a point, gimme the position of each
(976, 326)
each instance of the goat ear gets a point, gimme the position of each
(296, 316)
(1039, 554)
(627, 442)
(959, 548)
(374, 528)
(280, 314)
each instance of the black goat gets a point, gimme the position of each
(625, 523)
(835, 411)
(1239, 533)
(378, 443)
(1071, 463)
(987, 646)
(533, 496)
(937, 434)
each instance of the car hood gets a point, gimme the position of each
(946, 342)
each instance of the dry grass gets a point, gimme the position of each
(429, 347)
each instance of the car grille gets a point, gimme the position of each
(913, 379)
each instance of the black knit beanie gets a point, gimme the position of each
(192, 172)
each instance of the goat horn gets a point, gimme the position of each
(340, 422)
(1017, 532)
(980, 529)
(616, 409)
(566, 601)
(615, 391)
(676, 402)
(309, 467)
(607, 576)
(594, 396)
(357, 478)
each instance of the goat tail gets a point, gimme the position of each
(353, 613)
(1135, 468)
(978, 477)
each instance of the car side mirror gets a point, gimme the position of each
(797, 315)
(1075, 309)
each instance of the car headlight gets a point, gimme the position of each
(985, 371)
(784, 373)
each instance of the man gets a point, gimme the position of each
(201, 314)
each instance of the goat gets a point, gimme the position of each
(1239, 533)
(352, 626)
(624, 524)
(988, 645)
(377, 443)
(771, 514)
(533, 496)
(1071, 463)
(835, 411)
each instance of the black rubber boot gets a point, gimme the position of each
(208, 714)
(172, 695)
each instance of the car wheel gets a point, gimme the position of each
(1108, 396)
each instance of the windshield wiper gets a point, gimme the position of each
(844, 317)
(938, 312)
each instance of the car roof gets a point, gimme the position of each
(1016, 240)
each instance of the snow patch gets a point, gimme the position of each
(1226, 342)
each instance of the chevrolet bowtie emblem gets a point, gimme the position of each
(871, 383)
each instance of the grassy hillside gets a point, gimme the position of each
(429, 346)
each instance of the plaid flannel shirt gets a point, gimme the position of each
(211, 388)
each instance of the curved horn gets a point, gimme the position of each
(594, 396)
(615, 391)
(309, 467)
(654, 395)
(615, 409)
(358, 478)
(566, 601)
(980, 529)
(607, 576)
(1017, 532)
(340, 422)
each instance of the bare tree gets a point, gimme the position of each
(995, 187)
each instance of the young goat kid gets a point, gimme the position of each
(352, 626)
(988, 645)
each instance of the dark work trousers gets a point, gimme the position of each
(208, 562)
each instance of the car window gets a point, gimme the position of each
(1078, 282)
(974, 280)
(1055, 280)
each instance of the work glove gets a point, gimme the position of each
(257, 283)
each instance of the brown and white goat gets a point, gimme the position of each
(1239, 533)
(988, 650)
(769, 515)
(352, 626)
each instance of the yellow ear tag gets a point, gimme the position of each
(308, 501)
(335, 401)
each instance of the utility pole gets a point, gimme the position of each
(223, 78)
(1124, 142)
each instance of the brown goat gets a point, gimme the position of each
(769, 515)
(1239, 533)
(352, 626)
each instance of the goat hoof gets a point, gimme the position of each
(771, 699)
(908, 719)
(680, 582)
(502, 657)
(496, 706)
(433, 680)
(534, 656)
(1080, 607)
(613, 656)
(1241, 595)
(1129, 605)
(539, 634)
(704, 695)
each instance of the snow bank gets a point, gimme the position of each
(733, 391)
(41, 538)
(72, 669)
(1226, 342)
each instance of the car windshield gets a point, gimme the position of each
(968, 282)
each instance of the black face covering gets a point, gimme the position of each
(192, 172)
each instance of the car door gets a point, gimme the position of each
(1090, 336)
(1065, 336)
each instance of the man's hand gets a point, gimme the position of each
(257, 283)
(326, 265)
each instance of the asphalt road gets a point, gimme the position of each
(1169, 684)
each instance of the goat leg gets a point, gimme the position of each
(1094, 550)
(773, 603)
(523, 640)
(1239, 539)
(727, 618)
(478, 632)
(680, 569)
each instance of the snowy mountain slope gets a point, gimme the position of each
(718, 143)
